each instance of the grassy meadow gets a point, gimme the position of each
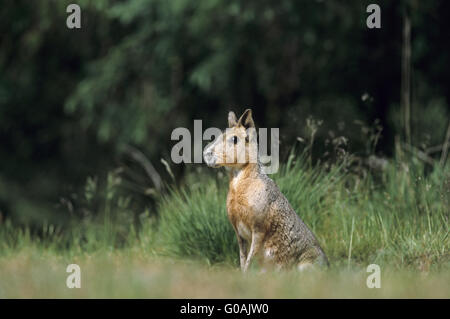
(396, 217)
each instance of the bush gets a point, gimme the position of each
(194, 223)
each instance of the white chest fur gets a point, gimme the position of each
(237, 177)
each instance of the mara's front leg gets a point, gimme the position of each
(243, 250)
(257, 240)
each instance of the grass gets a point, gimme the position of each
(129, 274)
(396, 218)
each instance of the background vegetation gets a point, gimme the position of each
(86, 117)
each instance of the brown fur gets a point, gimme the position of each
(266, 225)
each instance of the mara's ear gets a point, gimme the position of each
(232, 121)
(246, 119)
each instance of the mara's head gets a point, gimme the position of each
(236, 146)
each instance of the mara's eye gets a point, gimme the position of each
(234, 139)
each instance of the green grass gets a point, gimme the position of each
(397, 218)
(130, 274)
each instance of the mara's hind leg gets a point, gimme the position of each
(320, 263)
(303, 266)
(313, 258)
(267, 260)
(257, 240)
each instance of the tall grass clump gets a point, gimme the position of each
(193, 223)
